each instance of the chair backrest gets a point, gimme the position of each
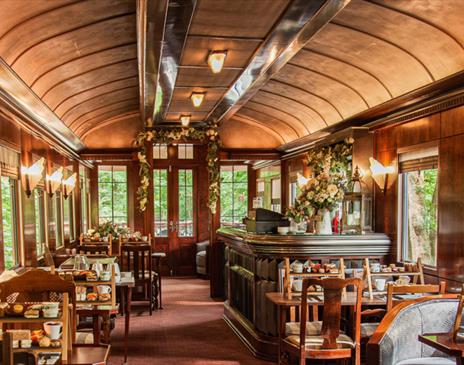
(333, 292)
(413, 289)
(136, 258)
(95, 249)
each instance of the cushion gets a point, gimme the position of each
(343, 341)
(428, 361)
(201, 258)
(202, 246)
(84, 338)
(312, 328)
(368, 329)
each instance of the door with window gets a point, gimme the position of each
(175, 216)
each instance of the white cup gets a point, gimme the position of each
(297, 267)
(104, 289)
(283, 230)
(105, 275)
(297, 285)
(53, 330)
(375, 267)
(145, 238)
(380, 284)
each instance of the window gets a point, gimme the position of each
(160, 200)
(418, 186)
(8, 190)
(39, 207)
(185, 228)
(56, 201)
(160, 151)
(112, 194)
(185, 151)
(84, 200)
(234, 194)
(68, 228)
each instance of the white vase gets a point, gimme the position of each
(293, 226)
(324, 225)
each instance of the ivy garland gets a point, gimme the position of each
(167, 136)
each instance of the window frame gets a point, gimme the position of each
(41, 222)
(17, 246)
(234, 222)
(112, 183)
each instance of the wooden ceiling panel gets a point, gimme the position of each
(242, 133)
(310, 117)
(239, 52)
(442, 56)
(98, 102)
(84, 65)
(396, 68)
(69, 48)
(205, 78)
(93, 78)
(195, 116)
(348, 102)
(325, 107)
(372, 90)
(55, 22)
(94, 92)
(287, 131)
(238, 18)
(114, 133)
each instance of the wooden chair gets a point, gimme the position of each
(96, 249)
(136, 258)
(329, 343)
(368, 328)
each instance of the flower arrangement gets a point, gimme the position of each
(331, 159)
(106, 228)
(209, 133)
(325, 191)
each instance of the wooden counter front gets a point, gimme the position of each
(248, 268)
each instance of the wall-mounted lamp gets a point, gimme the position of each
(216, 60)
(68, 185)
(197, 99)
(380, 173)
(53, 181)
(30, 176)
(301, 180)
(185, 120)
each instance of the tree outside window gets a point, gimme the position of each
(234, 194)
(112, 194)
(420, 216)
(10, 237)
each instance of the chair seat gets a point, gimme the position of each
(312, 342)
(368, 329)
(201, 258)
(84, 338)
(312, 328)
(428, 361)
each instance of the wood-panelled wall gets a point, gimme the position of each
(447, 130)
(21, 140)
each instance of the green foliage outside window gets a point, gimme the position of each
(8, 223)
(112, 194)
(234, 194)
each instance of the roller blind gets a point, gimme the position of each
(424, 159)
(9, 162)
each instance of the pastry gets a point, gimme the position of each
(26, 344)
(31, 313)
(18, 308)
(92, 296)
(104, 297)
(45, 342)
(91, 276)
(55, 343)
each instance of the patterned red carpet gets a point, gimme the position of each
(189, 330)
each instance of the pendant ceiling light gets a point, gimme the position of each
(216, 60)
(197, 98)
(185, 120)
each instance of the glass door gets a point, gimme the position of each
(175, 217)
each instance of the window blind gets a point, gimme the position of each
(9, 162)
(424, 159)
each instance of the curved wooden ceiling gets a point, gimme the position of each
(79, 58)
(370, 53)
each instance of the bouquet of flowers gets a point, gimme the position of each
(325, 191)
(106, 228)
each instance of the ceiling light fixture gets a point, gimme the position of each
(185, 120)
(197, 98)
(216, 60)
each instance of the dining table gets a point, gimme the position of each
(446, 343)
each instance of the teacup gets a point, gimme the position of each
(105, 275)
(104, 289)
(144, 238)
(297, 285)
(380, 284)
(375, 267)
(53, 330)
(297, 267)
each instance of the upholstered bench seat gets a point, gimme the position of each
(368, 329)
(343, 341)
(428, 361)
(201, 262)
(312, 328)
(84, 338)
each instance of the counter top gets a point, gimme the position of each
(369, 244)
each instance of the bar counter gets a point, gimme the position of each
(251, 269)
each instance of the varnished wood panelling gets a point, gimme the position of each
(452, 122)
(419, 131)
(204, 77)
(385, 139)
(451, 208)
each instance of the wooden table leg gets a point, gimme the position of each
(128, 297)
(106, 328)
(159, 291)
(96, 329)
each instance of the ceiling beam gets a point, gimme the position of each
(151, 18)
(300, 22)
(178, 17)
(23, 101)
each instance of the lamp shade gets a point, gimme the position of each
(54, 181)
(216, 60)
(197, 99)
(68, 185)
(380, 172)
(30, 176)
